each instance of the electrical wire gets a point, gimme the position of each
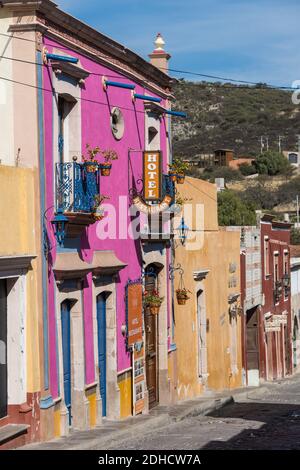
(251, 84)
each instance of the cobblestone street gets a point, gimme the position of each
(270, 421)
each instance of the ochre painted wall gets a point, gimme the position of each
(125, 386)
(218, 250)
(18, 208)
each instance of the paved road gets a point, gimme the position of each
(269, 421)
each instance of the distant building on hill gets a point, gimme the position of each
(293, 157)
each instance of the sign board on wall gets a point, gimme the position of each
(152, 162)
(139, 381)
(134, 314)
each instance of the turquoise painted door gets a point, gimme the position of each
(3, 349)
(101, 320)
(66, 349)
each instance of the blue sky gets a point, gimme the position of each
(255, 40)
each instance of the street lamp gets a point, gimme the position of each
(60, 223)
(183, 231)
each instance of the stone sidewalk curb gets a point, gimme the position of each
(111, 432)
(132, 426)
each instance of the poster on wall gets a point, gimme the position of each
(134, 297)
(152, 163)
(134, 314)
(138, 381)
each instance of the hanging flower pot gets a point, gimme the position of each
(109, 156)
(153, 301)
(105, 169)
(173, 177)
(98, 210)
(154, 309)
(98, 214)
(91, 166)
(180, 178)
(182, 296)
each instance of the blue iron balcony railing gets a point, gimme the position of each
(76, 187)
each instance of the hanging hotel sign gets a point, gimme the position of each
(152, 162)
(152, 210)
(134, 314)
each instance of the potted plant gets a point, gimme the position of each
(177, 170)
(109, 156)
(179, 203)
(98, 211)
(182, 296)
(172, 173)
(153, 301)
(90, 161)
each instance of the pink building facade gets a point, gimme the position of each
(104, 96)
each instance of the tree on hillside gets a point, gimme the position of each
(233, 211)
(247, 170)
(272, 163)
(261, 195)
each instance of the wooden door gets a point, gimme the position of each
(101, 320)
(3, 349)
(66, 349)
(151, 357)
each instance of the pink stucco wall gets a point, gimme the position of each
(95, 108)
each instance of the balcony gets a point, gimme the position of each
(158, 227)
(76, 189)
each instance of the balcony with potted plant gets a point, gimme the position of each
(77, 186)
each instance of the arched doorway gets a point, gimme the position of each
(102, 347)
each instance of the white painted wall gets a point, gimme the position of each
(16, 340)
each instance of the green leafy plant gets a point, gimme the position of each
(92, 153)
(109, 155)
(183, 293)
(178, 167)
(181, 200)
(153, 298)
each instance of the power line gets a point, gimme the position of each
(260, 85)
(53, 91)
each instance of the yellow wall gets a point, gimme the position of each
(218, 249)
(125, 386)
(18, 236)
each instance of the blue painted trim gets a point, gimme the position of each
(62, 58)
(176, 113)
(43, 210)
(120, 85)
(46, 402)
(147, 98)
(173, 347)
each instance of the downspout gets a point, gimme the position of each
(43, 210)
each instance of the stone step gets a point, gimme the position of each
(11, 431)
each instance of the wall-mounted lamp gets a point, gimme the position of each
(182, 231)
(60, 223)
